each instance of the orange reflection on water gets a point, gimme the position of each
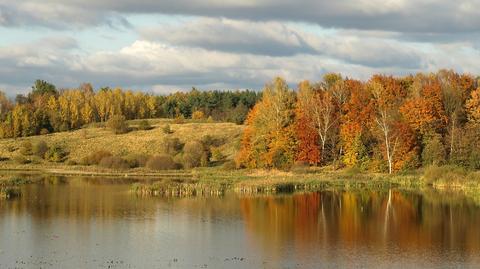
(378, 220)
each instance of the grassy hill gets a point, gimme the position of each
(85, 141)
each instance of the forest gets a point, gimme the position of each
(385, 124)
(45, 109)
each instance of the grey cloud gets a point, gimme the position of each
(278, 39)
(391, 15)
(263, 38)
(146, 65)
(57, 15)
(374, 52)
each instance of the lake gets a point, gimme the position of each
(98, 223)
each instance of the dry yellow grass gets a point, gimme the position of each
(85, 141)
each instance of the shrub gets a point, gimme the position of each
(217, 155)
(11, 148)
(161, 162)
(444, 174)
(353, 171)
(434, 152)
(467, 148)
(95, 157)
(178, 159)
(20, 159)
(171, 146)
(117, 124)
(209, 141)
(300, 167)
(26, 148)
(56, 153)
(166, 129)
(144, 125)
(238, 114)
(193, 153)
(114, 162)
(44, 131)
(137, 160)
(179, 119)
(198, 115)
(40, 148)
(281, 159)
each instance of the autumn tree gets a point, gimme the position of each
(473, 107)
(320, 108)
(269, 139)
(308, 149)
(455, 89)
(424, 109)
(387, 96)
(5, 105)
(356, 117)
(42, 87)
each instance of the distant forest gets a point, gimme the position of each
(46, 109)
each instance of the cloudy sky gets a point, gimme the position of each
(163, 46)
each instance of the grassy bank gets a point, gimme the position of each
(80, 143)
(208, 181)
(217, 181)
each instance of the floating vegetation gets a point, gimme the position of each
(185, 188)
(178, 189)
(16, 182)
(7, 192)
(9, 188)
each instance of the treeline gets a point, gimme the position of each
(46, 109)
(385, 124)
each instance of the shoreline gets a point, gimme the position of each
(216, 181)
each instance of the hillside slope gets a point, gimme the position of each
(82, 142)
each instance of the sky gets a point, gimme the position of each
(166, 46)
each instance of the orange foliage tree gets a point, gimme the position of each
(385, 122)
(269, 138)
(307, 136)
(357, 114)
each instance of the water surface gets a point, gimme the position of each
(90, 223)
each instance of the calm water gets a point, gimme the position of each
(84, 223)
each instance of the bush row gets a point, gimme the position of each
(173, 154)
(41, 150)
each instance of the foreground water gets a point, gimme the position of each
(86, 223)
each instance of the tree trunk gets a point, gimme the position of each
(452, 133)
(389, 157)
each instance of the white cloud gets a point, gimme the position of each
(234, 44)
